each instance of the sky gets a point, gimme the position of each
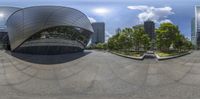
(125, 13)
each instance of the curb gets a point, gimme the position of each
(131, 57)
(171, 57)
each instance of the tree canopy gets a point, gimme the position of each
(169, 35)
(129, 38)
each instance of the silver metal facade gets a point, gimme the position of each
(5, 12)
(193, 34)
(24, 23)
(197, 27)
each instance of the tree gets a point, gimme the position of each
(179, 42)
(121, 41)
(124, 41)
(166, 35)
(113, 43)
(182, 43)
(101, 46)
(140, 39)
(146, 42)
(128, 38)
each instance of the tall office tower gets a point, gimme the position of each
(149, 28)
(193, 37)
(196, 34)
(99, 32)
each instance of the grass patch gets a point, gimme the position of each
(170, 53)
(131, 53)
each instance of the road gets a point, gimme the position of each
(98, 75)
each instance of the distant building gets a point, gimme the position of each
(138, 26)
(193, 36)
(99, 33)
(149, 28)
(118, 30)
(196, 28)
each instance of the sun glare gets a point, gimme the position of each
(1, 15)
(101, 10)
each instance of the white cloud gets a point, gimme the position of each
(92, 20)
(166, 21)
(142, 8)
(157, 15)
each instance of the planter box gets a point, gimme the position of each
(127, 56)
(170, 57)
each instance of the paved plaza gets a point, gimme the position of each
(98, 75)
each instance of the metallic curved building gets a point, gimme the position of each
(48, 30)
(5, 12)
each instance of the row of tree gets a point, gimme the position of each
(167, 36)
(129, 38)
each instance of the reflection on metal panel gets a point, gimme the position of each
(28, 21)
(5, 12)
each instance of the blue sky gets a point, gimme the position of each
(125, 13)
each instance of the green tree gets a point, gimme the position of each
(146, 41)
(166, 35)
(129, 38)
(182, 43)
(179, 42)
(121, 41)
(101, 46)
(140, 39)
(126, 38)
(113, 42)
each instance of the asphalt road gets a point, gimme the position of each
(98, 75)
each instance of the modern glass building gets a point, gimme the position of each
(196, 28)
(149, 28)
(99, 32)
(193, 34)
(45, 29)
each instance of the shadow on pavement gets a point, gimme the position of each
(149, 57)
(49, 59)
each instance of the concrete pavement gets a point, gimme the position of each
(98, 75)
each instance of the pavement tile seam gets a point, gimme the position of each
(183, 61)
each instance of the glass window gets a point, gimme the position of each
(63, 32)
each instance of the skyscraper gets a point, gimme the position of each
(193, 37)
(149, 28)
(99, 32)
(196, 28)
